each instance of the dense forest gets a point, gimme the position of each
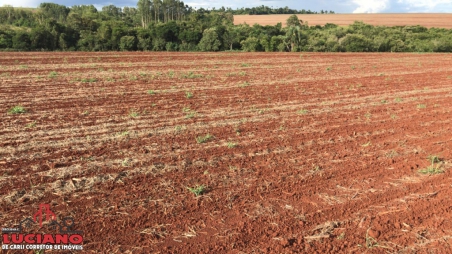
(171, 25)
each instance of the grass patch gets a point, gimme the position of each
(17, 110)
(53, 74)
(30, 125)
(89, 80)
(188, 95)
(203, 139)
(421, 106)
(434, 168)
(134, 114)
(231, 144)
(197, 190)
(302, 111)
(191, 75)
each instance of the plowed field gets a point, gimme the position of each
(287, 152)
(439, 20)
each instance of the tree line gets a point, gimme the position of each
(171, 25)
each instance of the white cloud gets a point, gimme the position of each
(22, 3)
(427, 5)
(370, 6)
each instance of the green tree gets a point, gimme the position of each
(21, 41)
(296, 38)
(356, 43)
(128, 43)
(144, 9)
(251, 44)
(41, 39)
(144, 39)
(210, 40)
(293, 21)
(279, 43)
(54, 11)
(6, 39)
(230, 37)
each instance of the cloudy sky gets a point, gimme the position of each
(341, 6)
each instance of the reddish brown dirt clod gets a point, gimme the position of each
(374, 233)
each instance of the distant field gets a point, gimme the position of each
(424, 19)
(230, 152)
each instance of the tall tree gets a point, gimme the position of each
(157, 6)
(144, 10)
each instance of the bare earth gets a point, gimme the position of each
(440, 20)
(309, 153)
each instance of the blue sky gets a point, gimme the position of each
(343, 6)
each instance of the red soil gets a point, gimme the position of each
(439, 20)
(327, 154)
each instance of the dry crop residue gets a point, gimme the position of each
(229, 152)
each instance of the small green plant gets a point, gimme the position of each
(124, 133)
(134, 114)
(190, 115)
(329, 68)
(434, 167)
(302, 111)
(189, 112)
(191, 75)
(431, 170)
(231, 144)
(89, 80)
(197, 190)
(391, 154)
(244, 84)
(30, 125)
(367, 115)
(393, 116)
(125, 163)
(384, 101)
(53, 74)
(188, 95)
(398, 99)
(433, 159)
(203, 139)
(421, 106)
(353, 67)
(245, 65)
(316, 168)
(17, 110)
(341, 236)
(151, 92)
